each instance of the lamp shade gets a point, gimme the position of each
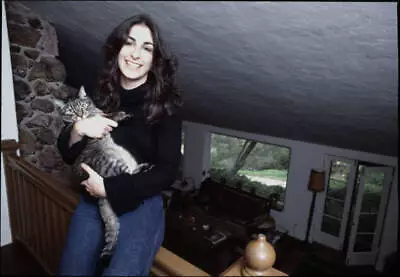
(317, 180)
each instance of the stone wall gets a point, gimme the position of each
(38, 78)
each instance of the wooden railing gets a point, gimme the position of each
(40, 210)
(41, 206)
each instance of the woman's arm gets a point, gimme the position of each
(125, 192)
(70, 143)
(74, 137)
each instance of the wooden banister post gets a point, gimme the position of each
(259, 257)
(9, 148)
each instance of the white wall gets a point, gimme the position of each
(195, 156)
(8, 119)
(304, 157)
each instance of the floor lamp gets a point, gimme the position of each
(315, 184)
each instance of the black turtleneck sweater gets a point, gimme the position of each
(158, 144)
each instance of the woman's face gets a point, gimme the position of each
(136, 56)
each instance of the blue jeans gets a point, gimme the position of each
(140, 237)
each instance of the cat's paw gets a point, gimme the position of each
(143, 167)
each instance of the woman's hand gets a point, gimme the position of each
(95, 127)
(95, 183)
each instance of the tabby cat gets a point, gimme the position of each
(104, 156)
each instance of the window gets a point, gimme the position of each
(251, 166)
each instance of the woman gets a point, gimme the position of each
(138, 78)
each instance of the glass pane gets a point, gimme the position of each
(330, 226)
(258, 168)
(372, 192)
(363, 243)
(338, 179)
(334, 207)
(367, 223)
(336, 194)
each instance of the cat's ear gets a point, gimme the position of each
(82, 93)
(60, 104)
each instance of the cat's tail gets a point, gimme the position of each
(111, 230)
(111, 238)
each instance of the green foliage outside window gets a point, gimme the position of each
(251, 166)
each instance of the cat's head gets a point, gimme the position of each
(77, 108)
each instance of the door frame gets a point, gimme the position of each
(316, 234)
(369, 258)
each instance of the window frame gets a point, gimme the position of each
(244, 137)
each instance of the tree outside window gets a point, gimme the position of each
(251, 166)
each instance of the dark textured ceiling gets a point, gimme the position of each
(324, 73)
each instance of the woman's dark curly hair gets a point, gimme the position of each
(163, 95)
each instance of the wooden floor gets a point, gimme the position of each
(17, 261)
(295, 257)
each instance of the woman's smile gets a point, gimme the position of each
(132, 64)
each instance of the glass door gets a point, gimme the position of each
(333, 204)
(367, 221)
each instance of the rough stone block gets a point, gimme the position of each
(44, 136)
(22, 111)
(64, 92)
(43, 105)
(58, 124)
(23, 35)
(19, 65)
(15, 48)
(48, 42)
(35, 23)
(38, 71)
(50, 69)
(21, 90)
(32, 54)
(14, 17)
(40, 87)
(39, 120)
(27, 141)
(49, 158)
